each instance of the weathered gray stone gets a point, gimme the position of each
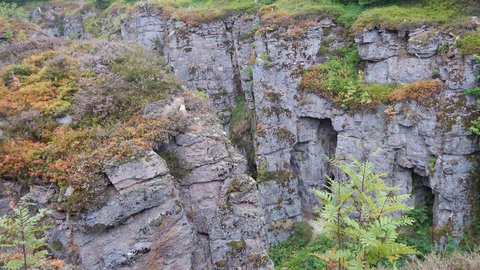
(414, 145)
(377, 45)
(41, 195)
(400, 70)
(132, 173)
(423, 43)
(146, 29)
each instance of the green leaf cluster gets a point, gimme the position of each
(475, 124)
(419, 234)
(295, 253)
(11, 10)
(362, 215)
(341, 80)
(23, 235)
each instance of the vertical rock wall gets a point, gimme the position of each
(208, 216)
(295, 130)
(419, 146)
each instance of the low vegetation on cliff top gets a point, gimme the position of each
(394, 14)
(361, 13)
(71, 110)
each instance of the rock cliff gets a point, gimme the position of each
(209, 213)
(421, 147)
(207, 216)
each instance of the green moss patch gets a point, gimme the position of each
(469, 43)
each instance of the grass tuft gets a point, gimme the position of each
(469, 43)
(410, 15)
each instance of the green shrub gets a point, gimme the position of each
(469, 43)
(304, 260)
(102, 4)
(11, 10)
(177, 167)
(341, 80)
(300, 237)
(419, 234)
(23, 234)
(19, 70)
(241, 134)
(362, 215)
(200, 94)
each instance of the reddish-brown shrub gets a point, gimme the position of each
(418, 91)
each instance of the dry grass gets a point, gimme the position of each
(457, 261)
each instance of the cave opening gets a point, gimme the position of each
(423, 196)
(317, 142)
(422, 193)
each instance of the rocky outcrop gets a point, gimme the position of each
(423, 148)
(415, 144)
(145, 29)
(206, 217)
(54, 22)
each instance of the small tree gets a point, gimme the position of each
(22, 238)
(361, 214)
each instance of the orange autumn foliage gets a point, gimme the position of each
(31, 85)
(106, 124)
(21, 159)
(418, 91)
(57, 264)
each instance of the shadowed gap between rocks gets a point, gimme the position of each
(422, 195)
(317, 140)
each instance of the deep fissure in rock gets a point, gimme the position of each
(242, 117)
(317, 141)
(421, 191)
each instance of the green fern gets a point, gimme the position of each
(362, 215)
(22, 235)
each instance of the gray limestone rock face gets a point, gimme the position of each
(222, 202)
(54, 21)
(209, 218)
(202, 57)
(423, 43)
(133, 173)
(140, 227)
(292, 139)
(376, 45)
(400, 70)
(146, 29)
(229, 218)
(73, 27)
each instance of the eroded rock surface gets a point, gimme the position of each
(411, 142)
(208, 217)
(224, 215)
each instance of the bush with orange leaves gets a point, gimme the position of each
(418, 91)
(103, 91)
(42, 82)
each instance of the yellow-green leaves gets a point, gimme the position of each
(362, 214)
